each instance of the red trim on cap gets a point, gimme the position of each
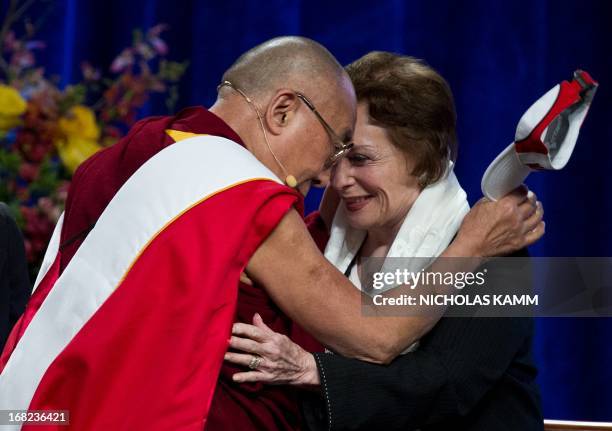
(531, 144)
(569, 93)
(586, 77)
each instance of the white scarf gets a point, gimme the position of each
(427, 230)
(429, 227)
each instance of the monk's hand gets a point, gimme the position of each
(499, 228)
(271, 357)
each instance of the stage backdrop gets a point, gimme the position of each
(498, 57)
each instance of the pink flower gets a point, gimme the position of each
(22, 59)
(62, 191)
(45, 204)
(156, 30)
(124, 60)
(50, 208)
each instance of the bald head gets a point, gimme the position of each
(286, 62)
(292, 137)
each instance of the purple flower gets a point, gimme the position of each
(35, 44)
(159, 45)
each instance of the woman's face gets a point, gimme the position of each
(374, 180)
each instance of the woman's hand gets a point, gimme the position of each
(498, 228)
(272, 357)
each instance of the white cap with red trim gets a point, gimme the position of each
(545, 136)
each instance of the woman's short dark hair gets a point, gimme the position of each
(414, 103)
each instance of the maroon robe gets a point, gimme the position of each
(257, 406)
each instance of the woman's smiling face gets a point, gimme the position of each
(374, 180)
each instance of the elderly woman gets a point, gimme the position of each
(398, 197)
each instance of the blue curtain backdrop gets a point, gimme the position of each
(498, 57)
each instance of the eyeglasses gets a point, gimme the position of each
(340, 147)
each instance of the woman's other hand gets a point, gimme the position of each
(272, 357)
(499, 228)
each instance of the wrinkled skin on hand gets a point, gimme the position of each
(499, 228)
(282, 362)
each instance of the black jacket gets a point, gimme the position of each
(15, 286)
(467, 374)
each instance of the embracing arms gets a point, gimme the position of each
(319, 298)
(461, 362)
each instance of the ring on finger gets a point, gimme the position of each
(255, 361)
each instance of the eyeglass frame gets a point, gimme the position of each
(340, 147)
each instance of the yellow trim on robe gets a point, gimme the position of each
(169, 222)
(179, 135)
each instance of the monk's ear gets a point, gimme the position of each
(281, 112)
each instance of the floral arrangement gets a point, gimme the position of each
(47, 131)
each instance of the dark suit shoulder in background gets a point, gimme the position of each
(15, 288)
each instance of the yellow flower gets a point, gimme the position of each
(12, 106)
(80, 122)
(75, 150)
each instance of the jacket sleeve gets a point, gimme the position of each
(457, 363)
